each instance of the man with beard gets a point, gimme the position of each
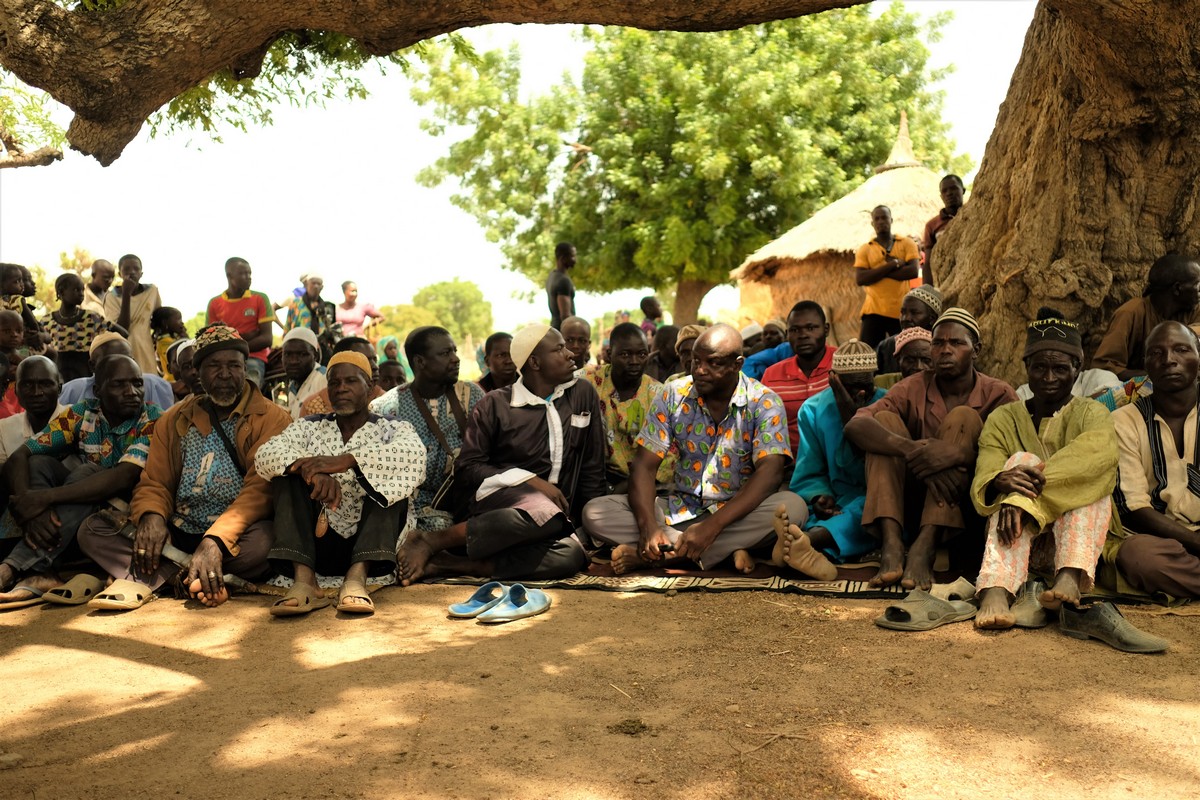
(920, 445)
(200, 491)
(577, 333)
(342, 485)
(111, 436)
(437, 405)
(920, 308)
(830, 475)
(497, 355)
(532, 456)
(806, 373)
(1172, 293)
(626, 394)
(731, 436)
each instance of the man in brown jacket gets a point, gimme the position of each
(200, 491)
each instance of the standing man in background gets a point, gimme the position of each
(560, 291)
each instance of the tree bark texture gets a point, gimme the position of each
(43, 156)
(116, 68)
(1092, 172)
(689, 294)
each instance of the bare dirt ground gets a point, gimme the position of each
(742, 694)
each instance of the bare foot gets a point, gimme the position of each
(413, 556)
(918, 567)
(1064, 590)
(891, 562)
(994, 610)
(799, 554)
(195, 590)
(780, 523)
(625, 558)
(42, 582)
(743, 562)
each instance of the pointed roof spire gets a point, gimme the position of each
(902, 151)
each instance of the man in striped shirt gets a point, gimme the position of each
(805, 374)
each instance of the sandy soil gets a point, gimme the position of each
(746, 694)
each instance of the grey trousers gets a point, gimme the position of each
(46, 472)
(610, 519)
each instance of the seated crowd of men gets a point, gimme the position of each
(825, 460)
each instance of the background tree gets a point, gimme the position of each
(679, 153)
(401, 319)
(460, 306)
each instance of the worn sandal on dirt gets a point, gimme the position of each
(921, 611)
(75, 592)
(306, 601)
(122, 595)
(38, 598)
(355, 591)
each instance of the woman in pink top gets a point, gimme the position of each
(353, 314)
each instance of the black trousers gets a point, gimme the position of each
(521, 550)
(332, 554)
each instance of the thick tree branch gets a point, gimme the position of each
(116, 68)
(42, 157)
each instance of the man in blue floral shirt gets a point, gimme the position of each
(731, 435)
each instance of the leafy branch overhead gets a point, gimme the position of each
(676, 154)
(115, 63)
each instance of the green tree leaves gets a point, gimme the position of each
(676, 154)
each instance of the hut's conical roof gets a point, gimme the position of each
(903, 184)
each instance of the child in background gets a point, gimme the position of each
(12, 351)
(166, 327)
(12, 297)
(72, 328)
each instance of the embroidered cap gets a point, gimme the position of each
(927, 295)
(853, 357)
(352, 358)
(913, 334)
(524, 343)
(962, 317)
(216, 338)
(1051, 332)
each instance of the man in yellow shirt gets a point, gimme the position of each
(883, 267)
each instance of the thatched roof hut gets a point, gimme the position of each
(813, 261)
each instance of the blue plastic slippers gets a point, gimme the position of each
(485, 597)
(518, 604)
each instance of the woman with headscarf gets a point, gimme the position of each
(388, 349)
(310, 310)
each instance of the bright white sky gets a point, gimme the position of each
(333, 188)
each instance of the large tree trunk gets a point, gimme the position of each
(117, 67)
(1092, 172)
(689, 294)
